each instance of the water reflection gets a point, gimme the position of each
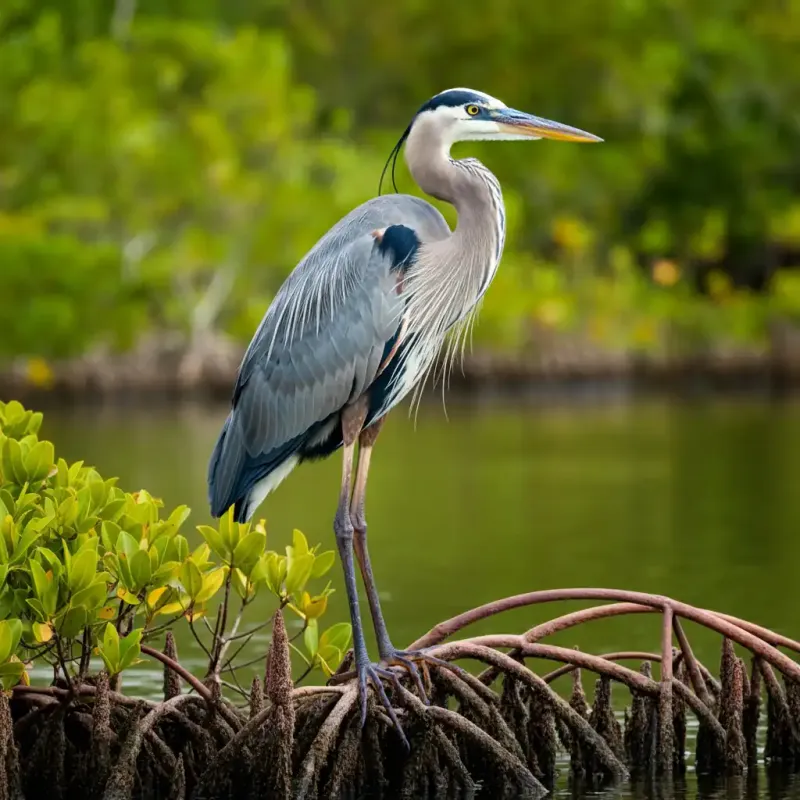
(694, 500)
(698, 501)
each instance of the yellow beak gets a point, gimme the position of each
(522, 124)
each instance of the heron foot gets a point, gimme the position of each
(367, 672)
(406, 658)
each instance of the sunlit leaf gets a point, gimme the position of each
(212, 582)
(299, 573)
(249, 550)
(311, 638)
(337, 636)
(191, 578)
(10, 633)
(322, 563)
(214, 540)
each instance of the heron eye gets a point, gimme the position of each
(473, 111)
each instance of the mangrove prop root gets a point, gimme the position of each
(172, 681)
(752, 714)
(579, 763)
(10, 787)
(100, 754)
(666, 733)
(273, 751)
(179, 786)
(732, 710)
(256, 696)
(603, 720)
(495, 734)
(679, 721)
(121, 780)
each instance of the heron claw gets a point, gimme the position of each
(404, 658)
(367, 672)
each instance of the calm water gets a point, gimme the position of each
(699, 501)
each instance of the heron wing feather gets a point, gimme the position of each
(320, 344)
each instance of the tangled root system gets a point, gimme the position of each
(498, 734)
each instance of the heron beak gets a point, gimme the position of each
(522, 124)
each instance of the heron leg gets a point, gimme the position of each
(366, 443)
(388, 652)
(352, 421)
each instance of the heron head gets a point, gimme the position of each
(461, 115)
(464, 115)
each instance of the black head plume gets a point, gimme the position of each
(393, 160)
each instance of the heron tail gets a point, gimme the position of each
(235, 478)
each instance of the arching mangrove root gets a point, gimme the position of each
(503, 733)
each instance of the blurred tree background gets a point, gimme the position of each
(165, 163)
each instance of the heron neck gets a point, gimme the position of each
(468, 185)
(451, 275)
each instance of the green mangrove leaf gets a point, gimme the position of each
(322, 563)
(140, 569)
(82, 570)
(72, 623)
(10, 633)
(39, 461)
(212, 583)
(130, 648)
(191, 578)
(10, 674)
(109, 649)
(249, 550)
(214, 540)
(298, 573)
(311, 638)
(338, 636)
(91, 597)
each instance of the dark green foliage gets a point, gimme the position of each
(175, 165)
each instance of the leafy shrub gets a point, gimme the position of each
(85, 566)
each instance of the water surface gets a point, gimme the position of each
(696, 500)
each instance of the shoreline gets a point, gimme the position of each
(166, 370)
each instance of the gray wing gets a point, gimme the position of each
(320, 344)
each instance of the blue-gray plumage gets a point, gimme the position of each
(287, 406)
(358, 325)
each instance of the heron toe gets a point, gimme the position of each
(368, 671)
(405, 659)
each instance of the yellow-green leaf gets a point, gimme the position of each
(39, 461)
(129, 597)
(10, 633)
(42, 631)
(276, 567)
(249, 550)
(191, 578)
(90, 598)
(299, 572)
(82, 569)
(171, 608)
(154, 596)
(299, 542)
(240, 583)
(314, 607)
(311, 638)
(140, 569)
(214, 540)
(212, 582)
(322, 563)
(337, 636)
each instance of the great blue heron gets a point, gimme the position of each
(357, 326)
